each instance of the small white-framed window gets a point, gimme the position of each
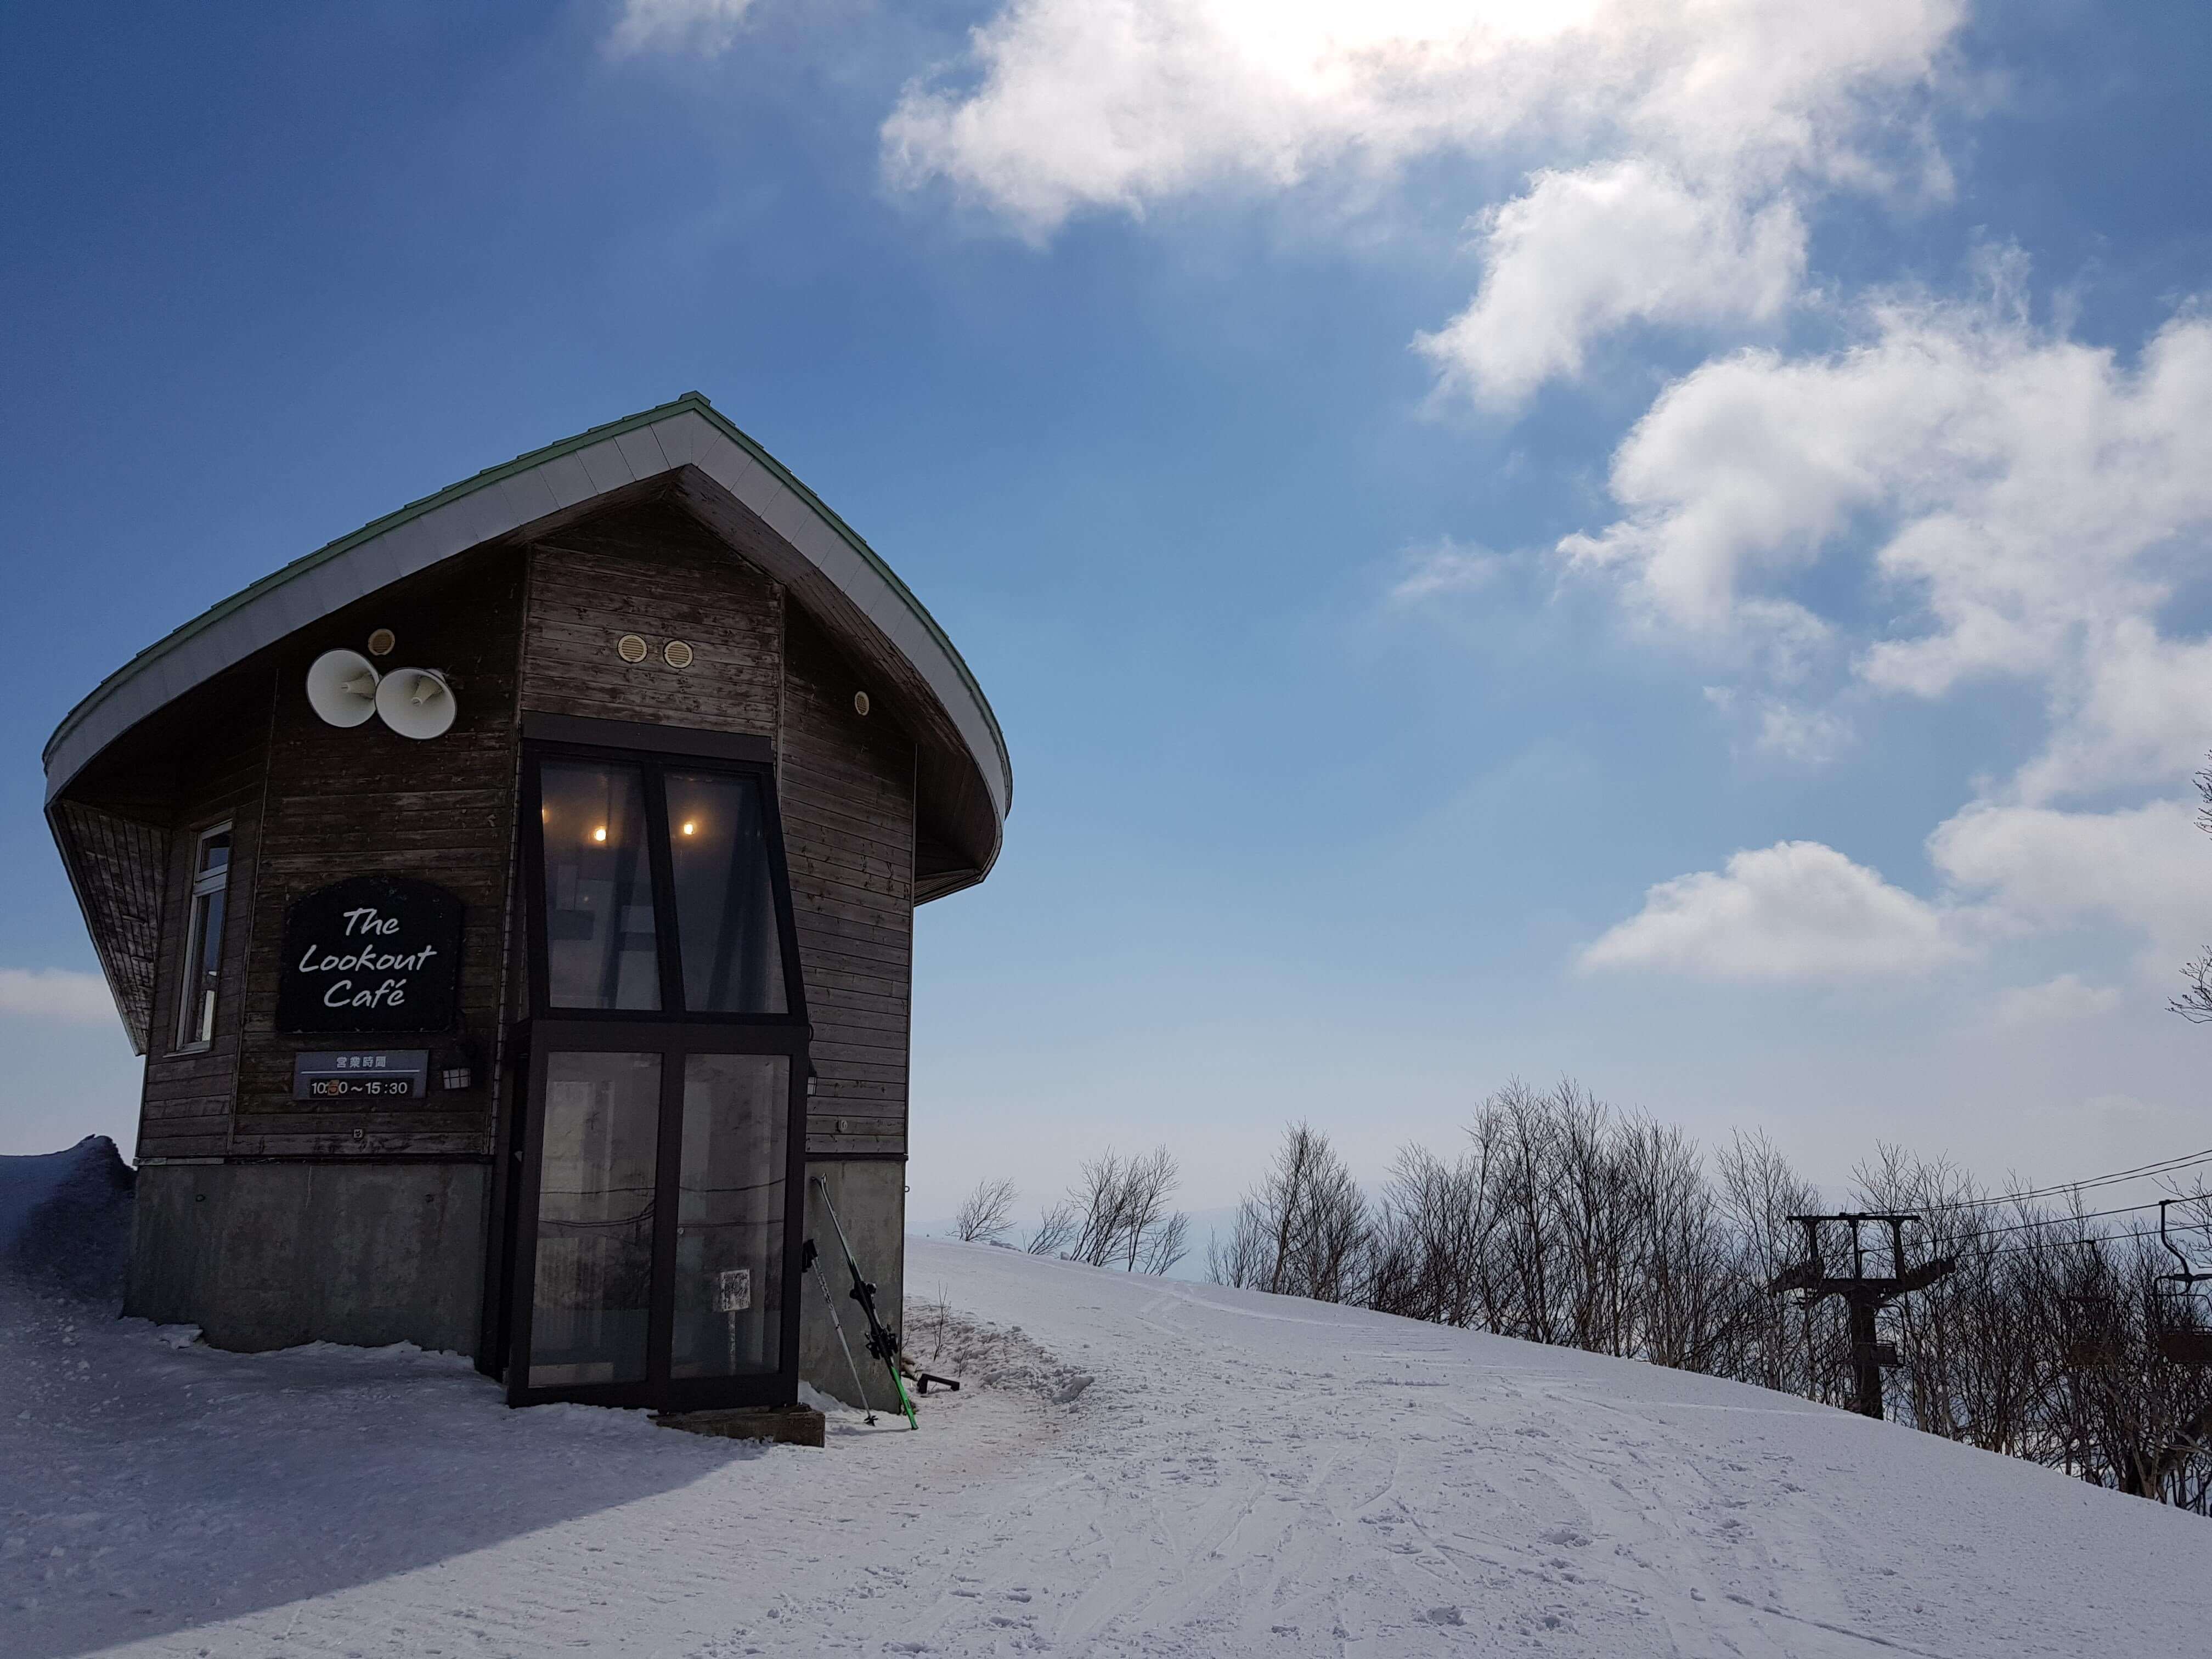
(202, 978)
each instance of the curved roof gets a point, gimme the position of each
(839, 572)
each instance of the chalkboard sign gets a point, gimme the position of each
(376, 953)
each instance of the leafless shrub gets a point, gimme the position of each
(1430, 1241)
(1167, 1243)
(1305, 1231)
(1055, 1231)
(1119, 1208)
(1775, 1342)
(986, 1215)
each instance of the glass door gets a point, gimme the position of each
(598, 1168)
(656, 1170)
(730, 1196)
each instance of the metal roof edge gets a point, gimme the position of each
(859, 544)
(692, 401)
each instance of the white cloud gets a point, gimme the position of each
(1783, 729)
(2146, 870)
(1796, 911)
(1810, 737)
(1447, 570)
(709, 27)
(2134, 705)
(55, 994)
(2056, 1002)
(1584, 253)
(2001, 500)
(1113, 104)
(1800, 911)
(1975, 499)
(1673, 145)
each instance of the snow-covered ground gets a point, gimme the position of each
(1137, 1467)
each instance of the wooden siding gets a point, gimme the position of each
(365, 801)
(119, 867)
(517, 628)
(845, 782)
(956, 837)
(846, 789)
(657, 573)
(186, 1108)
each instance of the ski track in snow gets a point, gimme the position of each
(1243, 1475)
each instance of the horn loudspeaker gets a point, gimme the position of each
(341, 687)
(417, 703)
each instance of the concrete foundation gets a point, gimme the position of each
(270, 1256)
(871, 1200)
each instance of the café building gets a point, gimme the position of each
(514, 903)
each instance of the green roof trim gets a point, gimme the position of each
(690, 401)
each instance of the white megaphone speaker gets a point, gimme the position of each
(341, 687)
(417, 703)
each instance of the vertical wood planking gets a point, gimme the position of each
(846, 786)
(364, 800)
(656, 573)
(188, 1101)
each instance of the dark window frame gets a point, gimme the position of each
(200, 888)
(673, 1033)
(673, 1043)
(654, 766)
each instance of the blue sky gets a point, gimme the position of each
(1665, 545)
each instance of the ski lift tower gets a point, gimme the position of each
(1864, 1295)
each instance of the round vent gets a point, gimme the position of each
(381, 641)
(678, 654)
(631, 648)
(860, 702)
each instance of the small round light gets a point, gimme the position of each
(599, 834)
(689, 828)
(631, 648)
(860, 704)
(677, 653)
(381, 641)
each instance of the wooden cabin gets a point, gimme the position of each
(514, 903)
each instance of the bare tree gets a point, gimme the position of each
(1118, 1213)
(1167, 1244)
(1305, 1231)
(1100, 1198)
(986, 1215)
(1055, 1231)
(1432, 1240)
(1758, 1192)
(1147, 1183)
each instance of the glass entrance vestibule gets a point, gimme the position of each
(655, 1167)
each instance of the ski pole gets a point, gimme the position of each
(883, 1344)
(811, 1257)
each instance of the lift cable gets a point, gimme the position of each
(2092, 1238)
(2140, 1172)
(2061, 1220)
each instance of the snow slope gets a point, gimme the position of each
(1143, 1469)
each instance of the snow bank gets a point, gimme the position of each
(1135, 1466)
(65, 1218)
